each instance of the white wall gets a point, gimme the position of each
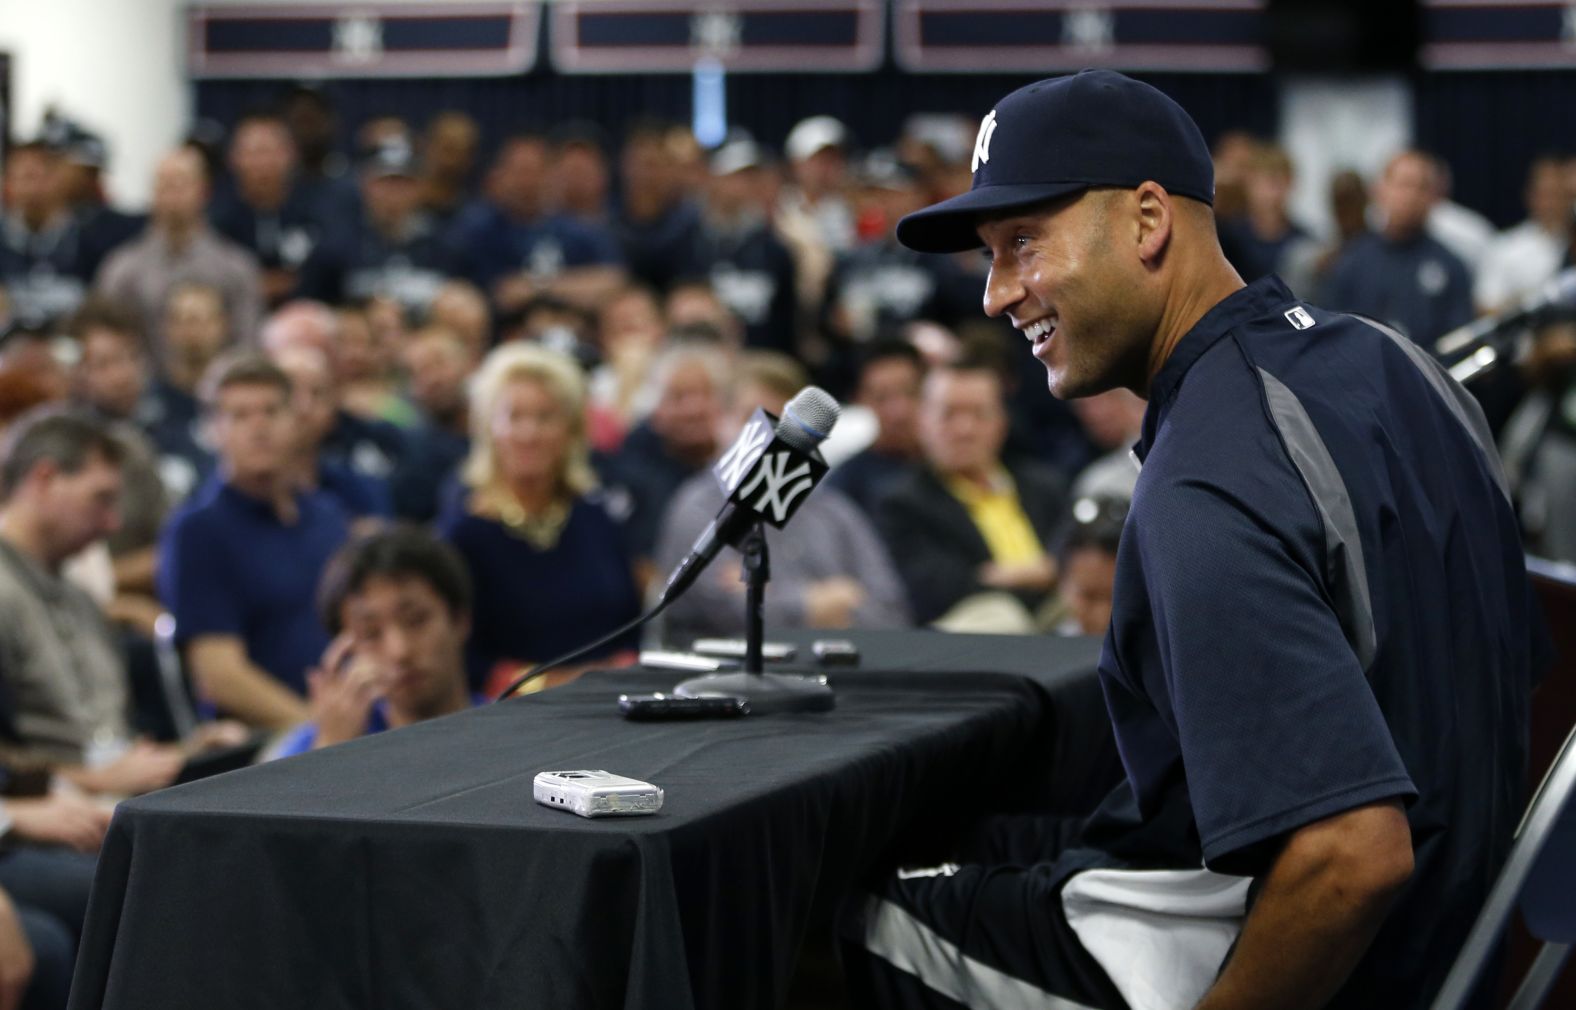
(1332, 124)
(116, 66)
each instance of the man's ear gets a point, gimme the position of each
(1155, 221)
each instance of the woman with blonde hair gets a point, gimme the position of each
(549, 566)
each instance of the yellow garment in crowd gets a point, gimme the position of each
(999, 517)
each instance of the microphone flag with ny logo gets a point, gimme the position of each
(764, 474)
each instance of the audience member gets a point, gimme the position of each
(1113, 421)
(829, 568)
(61, 478)
(314, 400)
(1520, 259)
(688, 386)
(178, 247)
(630, 333)
(1264, 233)
(439, 365)
(84, 159)
(750, 268)
(370, 386)
(1463, 231)
(968, 525)
(548, 565)
(1087, 562)
(398, 604)
(449, 148)
(517, 247)
(812, 213)
(367, 446)
(239, 562)
(270, 211)
(397, 251)
(581, 178)
(889, 383)
(1400, 275)
(43, 264)
(462, 309)
(658, 226)
(879, 285)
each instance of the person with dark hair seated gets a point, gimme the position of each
(549, 566)
(970, 531)
(890, 376)
(1086, 560)
(398, 603)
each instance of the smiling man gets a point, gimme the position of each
(1318, 583)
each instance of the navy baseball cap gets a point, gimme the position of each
(1062, 136)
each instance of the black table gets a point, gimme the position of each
(413, 869)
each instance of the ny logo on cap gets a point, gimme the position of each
(982, 141)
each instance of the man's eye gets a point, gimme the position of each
(1020, 242)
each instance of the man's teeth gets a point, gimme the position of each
(1034, 331)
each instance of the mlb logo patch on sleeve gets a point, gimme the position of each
(1299, 318)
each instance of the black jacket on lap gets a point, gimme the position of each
(936, 545)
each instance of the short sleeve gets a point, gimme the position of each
(196, 581)
(1277, 724)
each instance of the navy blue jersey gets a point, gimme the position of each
(1321, 602)
(495, 245)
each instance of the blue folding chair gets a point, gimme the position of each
(1541, 872)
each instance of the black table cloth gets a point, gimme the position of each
(414, 869)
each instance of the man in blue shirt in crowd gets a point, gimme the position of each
(1322, 639)
(517, 248)
(1400, 274)
(240, 562)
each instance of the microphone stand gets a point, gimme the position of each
(766, 692)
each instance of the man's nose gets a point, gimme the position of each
(1002, 291)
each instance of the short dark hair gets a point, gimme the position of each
(65, 436)
(100, 313)
(891, 349)
(241, 368)
(393, 552)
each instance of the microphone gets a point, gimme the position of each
(1557, 294)
(767, 473)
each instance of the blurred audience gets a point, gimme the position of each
(549, 566)
(1114, 420)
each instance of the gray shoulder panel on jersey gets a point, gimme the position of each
(1344, 570)
(1455, 396)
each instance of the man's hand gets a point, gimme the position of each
(142, 769)
(1322, 901)
(16, 956)
(830, 603)
(342, 691)
(71, 821)
(1037, 576)
(215, 735)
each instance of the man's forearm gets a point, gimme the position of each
(1315, 916)
(242, 690)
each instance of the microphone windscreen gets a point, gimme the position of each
(808, 418)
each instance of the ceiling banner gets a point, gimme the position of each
(362, 40)
(1498, 35)
(672, 36)
(1049, 36)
